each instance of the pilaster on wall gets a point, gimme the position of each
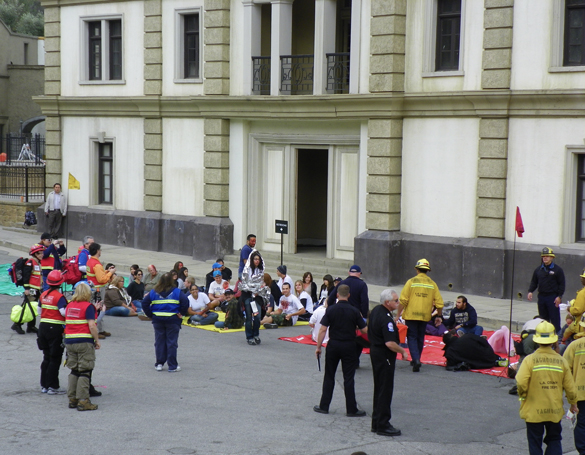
(153, 164)
(153, 47)
(217, 47)
(387, 46)
(53, 168)
(498, 20)
(216, 161)
(384, 174)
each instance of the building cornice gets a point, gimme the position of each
(57, 3)
(504, 103)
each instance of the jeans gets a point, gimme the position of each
(477, 330)
(138, 305)
(416, 338)
(252, 325)
(166, 342)
(221, 325)
(209, 318)
(534, 433)
(548, 311)
(118, 311)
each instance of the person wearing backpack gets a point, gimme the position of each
(52, 306)
(32, 283)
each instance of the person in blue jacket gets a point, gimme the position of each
(463, 318)
(166, 305)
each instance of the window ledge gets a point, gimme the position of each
(102, 207)
(444, 74)
(573, 246)
(566, 69)
(121, 82)
(188, 81)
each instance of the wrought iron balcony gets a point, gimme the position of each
(261, 75)
(296, 74)
(338, 72)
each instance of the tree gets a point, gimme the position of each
(23, 16)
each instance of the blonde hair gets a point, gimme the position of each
(116, 279)
(302, 287)
(82, 293)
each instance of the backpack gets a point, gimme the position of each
(70, 270)
(30, 219)
(20, 271)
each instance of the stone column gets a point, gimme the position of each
(252, 41)
(325, 18)
(152, 47)
(493, 132)
(153, 164)
(217, 47)
(281, 40)
(53, 88)
(216, 162)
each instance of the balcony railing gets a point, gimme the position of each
(296, 74)
(338, 73)
(261, 75)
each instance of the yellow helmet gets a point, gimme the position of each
(545, 333)
(423, 264)
(582, 274)
(546, 251)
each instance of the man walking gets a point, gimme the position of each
(55, 210)
(549, 278)
(416, 301)
(385, 344)
(342, 320)
(245, 253)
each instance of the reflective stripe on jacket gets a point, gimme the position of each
(49, 309)
(418, 296)
(168, 306)
(35, 280)
(76, 326)
(575, 356)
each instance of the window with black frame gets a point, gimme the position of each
(115, 49)
(106, 173)
(95, 50)
(104, 59)
(574, 42)
(191, 46)
(448, 35)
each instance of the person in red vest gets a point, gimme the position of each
(51, 256)
(95, 270)
(81, 341)
(32, 284)
(50, 337)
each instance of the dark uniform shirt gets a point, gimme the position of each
(549, 280)
(358, 294)
(342, 320)
(382, 329)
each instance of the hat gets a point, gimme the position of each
(546, 251)
(55, 278)
(45, 236)
(545, 333)
(36, 248)
(281, 269)
(216, 265)
(355, 268)
(423, 264)
(338, 279)
(229, 291)
(582, 274)
(216, 273)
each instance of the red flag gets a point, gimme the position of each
(519, 224)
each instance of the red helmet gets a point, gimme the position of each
(55, 278)
(35, 249)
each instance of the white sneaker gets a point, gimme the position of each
(44, 390)
(53, 391)
(158, 367)
(176, 370)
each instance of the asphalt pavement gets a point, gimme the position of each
(232, 398)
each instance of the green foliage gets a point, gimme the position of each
(23, 16)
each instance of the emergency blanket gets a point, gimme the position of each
(212, 328)
(432, 353)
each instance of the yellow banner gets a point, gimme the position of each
(73, 183)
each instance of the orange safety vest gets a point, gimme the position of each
(76, 326)
(35, 280)
(49, 309)
(48, 263)
(91, 263)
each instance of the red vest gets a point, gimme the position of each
(35, 280)
(48, 263)
(76, 325)
(49, 309)
(91, 263)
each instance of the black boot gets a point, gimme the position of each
(17, 328)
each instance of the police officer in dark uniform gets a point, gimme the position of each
(342, 320)
(385, 344)
(550, 280)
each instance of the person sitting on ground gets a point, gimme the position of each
(178, 266)
(305, 300)
(189, 281)
(283, 277)
(117, 299)
(569, 319)
(463, 318)
(315, 322)
(435, 326)
(326, 288)
(469, 352)
(573, 332)
(336, 281)
(133, 269)
(217, 289)
(151, 279)
(226, 273)
(199, 308)
(234, 317)
(181, 276)
(136, 288)
(275, 291)
(310, 287)
(287, 311)
(174, 276)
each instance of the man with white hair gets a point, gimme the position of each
(385, 344)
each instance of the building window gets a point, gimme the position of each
(104, 58)
(574, 47)
(188, 45)
(580, 231)
(105, 172)
(448, 35)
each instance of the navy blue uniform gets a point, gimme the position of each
(550, 281)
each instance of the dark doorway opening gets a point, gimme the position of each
(312, 175)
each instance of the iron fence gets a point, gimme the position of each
(23, 147)
(22, 180)
(338, 73)
(296, 74)
(261, 75)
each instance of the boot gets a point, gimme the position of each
(73, 403)
(17, 328)
(86, 405)
(32, 329)
(93, 392)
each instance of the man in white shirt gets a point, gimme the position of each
(55, 210)
(315, 322)
(283, 277)
(216, 291)
(287, 312)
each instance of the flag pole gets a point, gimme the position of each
(512, 298)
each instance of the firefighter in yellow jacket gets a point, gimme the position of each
(575, 356)
(416, 305)
(541, 379)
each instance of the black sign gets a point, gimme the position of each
(281, 227)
